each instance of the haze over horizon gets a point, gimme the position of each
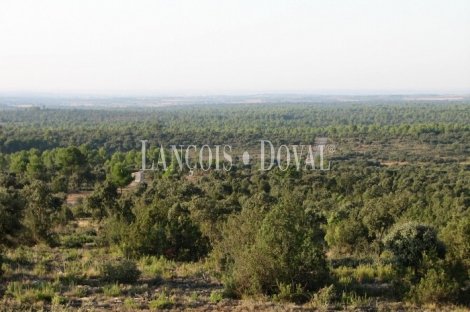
(244, 47)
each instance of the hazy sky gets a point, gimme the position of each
(234, 46)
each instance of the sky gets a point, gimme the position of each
(234, 47)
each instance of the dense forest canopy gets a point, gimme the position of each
(122, 129)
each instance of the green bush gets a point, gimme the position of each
(385, 273)
(64, 215)
(112, 290)
(22, 255)
(352, 298)
(287, 294)
(41, 211)
(364, 273)
(153, 266)
(162, 302)
(230, 287)
(435, 287)
(216, 296)
(287, 240)
(456, 236)
(15, 290)
(325, 296)
(45, 292)
(59, 300)
(121, 272)
(409, 241)
(346, 236)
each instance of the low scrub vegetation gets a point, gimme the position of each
(386, 228)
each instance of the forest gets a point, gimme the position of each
(386, 228)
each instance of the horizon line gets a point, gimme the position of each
(195, 93)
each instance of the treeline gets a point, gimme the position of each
(122, 130)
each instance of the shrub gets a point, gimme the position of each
(112, 290)
(41, 211)
(364, 273)
(11, 213)
(408, 242)
(122, 272)
(59, 300)
(346, 236)
(216, 296)
(288, 240)
(435, 287)
(352, 298)
(230, 287)
(385, 273)
(154, 267)
(325, 296)
(22, 255)
(45, 292)
(162, 302)
(64, 215)
(15, 289)
(286, 293)
(73, 271)
(456, 236)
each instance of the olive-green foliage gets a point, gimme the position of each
(64, 215)
(12, 206)
(70, 160)
(456, 236)
(161, 302)
(112, 232)
(41, 210)
(286, 238)
(173, 235)
(288, 241)
(19, 162)
(124, 271)
(103, 201)
(119, 130)
(325, 296)
(147, 222)
(132, 304)
(253, 217)
(59, 184)
(59, 300)
(436, 286)
(120, 175)
(408, 242)
(216, 296)
(346, 236)
(112, 290)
